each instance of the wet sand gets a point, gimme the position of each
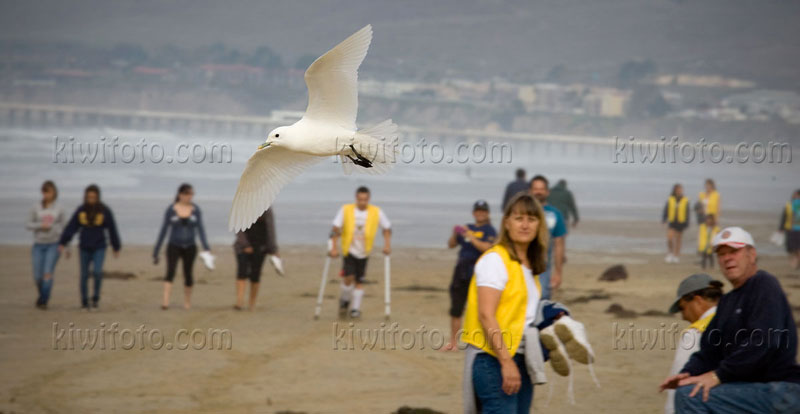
(280, 359)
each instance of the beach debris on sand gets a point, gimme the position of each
(619, 311)
(119, 275)
(408, 410)
(614, 273)
(595, 294)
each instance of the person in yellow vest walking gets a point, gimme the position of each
(709, 200)
(676, 219)
(705, 234)
(790, 227)
(503, 299)
(697, 300)
(357, 224)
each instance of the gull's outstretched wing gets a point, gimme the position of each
(267, 171)
(332, 81)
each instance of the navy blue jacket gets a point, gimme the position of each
(752, 338)
(93, 235)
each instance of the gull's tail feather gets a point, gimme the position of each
(379, 144)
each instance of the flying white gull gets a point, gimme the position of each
(328, 128)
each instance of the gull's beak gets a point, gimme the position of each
(264, 145)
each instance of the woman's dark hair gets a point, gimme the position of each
(51, 186)
(675, 189)
(711, 183)
(537, 251)
(92, 209)
(184, 188)
(362, 189)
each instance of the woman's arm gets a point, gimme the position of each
(201, 229)
(488, 299)
(33, 222)
(112, 231)
(163, 232)
(71, 228)
(272, 238)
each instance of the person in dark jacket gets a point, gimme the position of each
(520, 185)
(561, 198)
(747, 360)
(184, 222)
(92, 219)
(252, 246)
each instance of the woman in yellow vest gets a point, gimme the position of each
(705, 235)
(697, 300)
(709, 199)
(790, 226)
(502, 299)
(676, 219)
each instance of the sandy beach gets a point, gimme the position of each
(277, 359)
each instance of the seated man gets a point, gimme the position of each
(747, 357)
(697, 302)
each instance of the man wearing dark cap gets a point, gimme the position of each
(696, 300)
(747, 360)
(474, 239)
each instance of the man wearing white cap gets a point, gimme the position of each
(747, 360)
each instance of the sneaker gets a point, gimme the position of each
(558, 355)
(573, 335)
(355, 313)
(668, 258)
(343, 305)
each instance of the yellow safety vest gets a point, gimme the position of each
(704, 238)
(510, 312)
(702, 323)
(349, 227)
(787, 225)
(712, 206)
(677, 208)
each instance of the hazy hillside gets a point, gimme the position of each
(517, 39)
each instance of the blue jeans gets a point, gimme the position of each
(95, 256)
(488, 382)
(44, 257)
(741, 397)
(544, 280)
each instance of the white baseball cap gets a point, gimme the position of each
(735, 237)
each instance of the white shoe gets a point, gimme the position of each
(573, 335)
(668, 258)
(558, 354)
(676, 259)
(277, 263)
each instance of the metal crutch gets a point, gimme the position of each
(387, 277)
(321, 293)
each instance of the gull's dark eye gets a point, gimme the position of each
(277, 135)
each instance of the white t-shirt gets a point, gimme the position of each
(357, 245)
(490, 271)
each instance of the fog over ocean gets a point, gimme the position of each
(423, 200)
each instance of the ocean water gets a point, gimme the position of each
(422, 199)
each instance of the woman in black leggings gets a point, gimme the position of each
(184, 220)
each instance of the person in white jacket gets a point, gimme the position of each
(697, 300)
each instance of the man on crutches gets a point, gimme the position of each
(357, 224)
